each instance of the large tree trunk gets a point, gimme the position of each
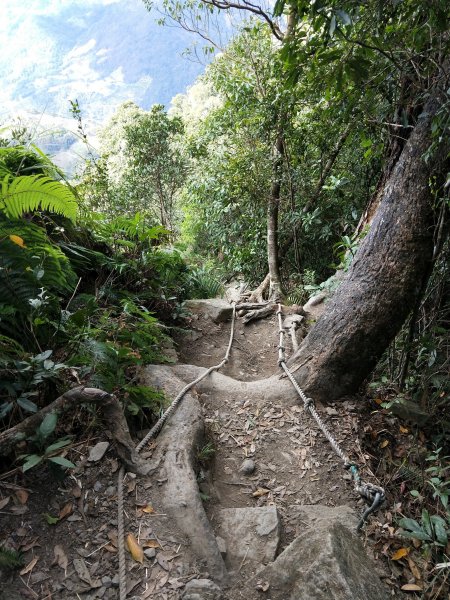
(382, 283)
(275, 292)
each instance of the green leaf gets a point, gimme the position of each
(57, 445)
(417, 535)
(27, 404)
(50, 520)
(32, 461)
(29, 193)
(63, 462)
(440, 530)
(410, 524)
(332, 25)
(48, 425)
(344, 17)
(42, 356)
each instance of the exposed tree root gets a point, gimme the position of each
(253, 311)
(112, 413)
(174, 460)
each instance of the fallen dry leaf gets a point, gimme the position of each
(82, 570)
(60, 557)
(135, 550)
(384, 443)
(148, 509)
(76, 491)
(401, 553)
(28, 545)
(30, 566)
(260, 492)
(404, 430)
(22, 496)
(162, 562)
(411, 587)
(4, 502)
(414, 569)
(66, 511)
(151, 544)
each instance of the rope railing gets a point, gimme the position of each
(374, 495)
(154, 431)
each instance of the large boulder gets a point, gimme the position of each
(216, 309)
(326, 562)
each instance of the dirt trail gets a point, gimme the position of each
(76, 557)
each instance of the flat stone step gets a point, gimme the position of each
(250, 534)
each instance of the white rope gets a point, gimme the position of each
(373, 494)
(154, 431)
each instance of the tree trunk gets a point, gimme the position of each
(275, 291)
(382, 283)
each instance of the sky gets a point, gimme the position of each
(100, 52)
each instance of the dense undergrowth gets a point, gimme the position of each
(85, 298)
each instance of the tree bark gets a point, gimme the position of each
(275, 291)
(382, 283)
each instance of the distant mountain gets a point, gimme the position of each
(101, 52)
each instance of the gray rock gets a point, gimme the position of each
(222, 545)
(327, 561)
(150, 553)
(215, 309)
(410, 411)
(98, 486)
(248, 466)
(250, 533)
(98, 451)
(202, 589)
(107, 581)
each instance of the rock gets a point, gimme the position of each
(98, 451)
(327, 561)
(98, 486)
(410, 411)
(202, 589)
(150, 553)
(250, 533)
(221, 543)
(215, 309)
(315, 306)
(248, 466)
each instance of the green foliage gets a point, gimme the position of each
(10, 559)
(432, 529)
(47, 453)
(29, 193)
(203, 282)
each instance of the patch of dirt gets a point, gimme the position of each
(76, 557)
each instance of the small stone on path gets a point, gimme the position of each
(248, 466)
(98, 451)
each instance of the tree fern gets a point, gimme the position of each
(28, 193)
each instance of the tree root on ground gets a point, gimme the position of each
(112, 413)
(251, 311)
(174, 460)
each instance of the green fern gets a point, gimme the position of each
(28, 193)
(24, 270)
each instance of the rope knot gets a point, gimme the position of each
(309, 403)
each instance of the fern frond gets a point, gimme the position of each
(28, 193)
(24, 270)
